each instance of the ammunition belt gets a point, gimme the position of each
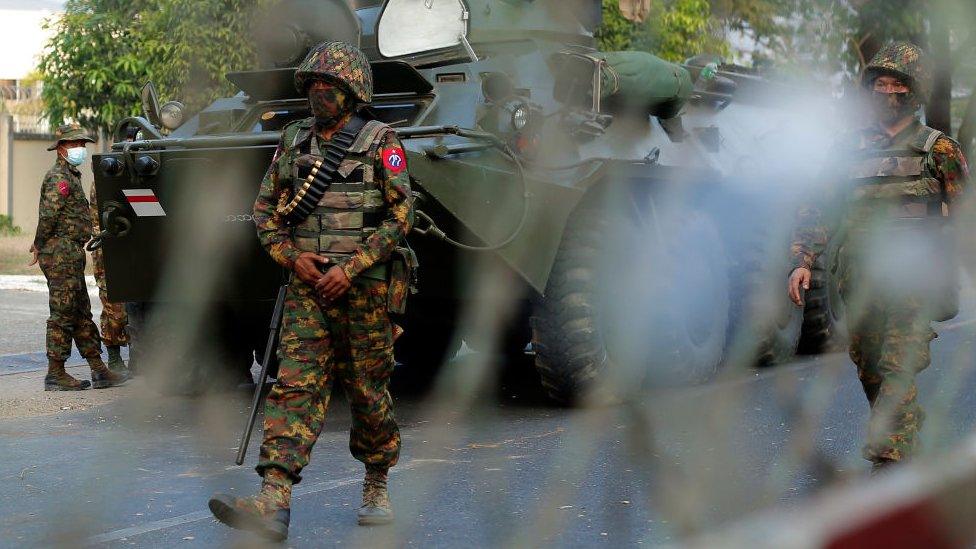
(322, 173)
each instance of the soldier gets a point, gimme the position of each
(896, 266)
(63, 228)
(336, 325)
(113, 320)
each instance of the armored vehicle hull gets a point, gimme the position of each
(598, 206)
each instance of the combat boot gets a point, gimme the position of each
(882, 467)
(267, 514)
(376, 509)
(115, 362)
(102, 377)
(58, 379)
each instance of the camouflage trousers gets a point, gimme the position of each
(349, 341)
(63, 264)
(113, 321)
(890, 346)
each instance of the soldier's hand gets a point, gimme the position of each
(33, 252)
(334, 284)
(799, 283)
(306, 267)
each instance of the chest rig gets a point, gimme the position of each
(896, 182)
(900, 238)
(337, 219)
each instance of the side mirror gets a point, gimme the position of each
(408, 27)
(150, 104)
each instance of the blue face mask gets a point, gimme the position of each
(76, 156)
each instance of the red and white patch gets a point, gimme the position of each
(63, 188)
(144, 202)
(394, 160)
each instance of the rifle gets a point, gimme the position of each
(269, 349)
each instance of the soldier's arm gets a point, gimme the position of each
(394, 182)
(949, 163)
(52, 200)
(272, 231)
(818, 215)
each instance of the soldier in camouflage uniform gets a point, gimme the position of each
(113, 320)
(336, 325)
(900, 182)
(63, 228)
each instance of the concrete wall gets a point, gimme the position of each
(24, 159)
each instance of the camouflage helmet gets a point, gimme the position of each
(903, 60)
(338, 62)
(69, 132)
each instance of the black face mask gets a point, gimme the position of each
(892, 107)
(328, 106)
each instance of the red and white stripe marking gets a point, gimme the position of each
(144, 202)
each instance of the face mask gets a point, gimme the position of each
(328, 105)
(892, 107)
(76, 156)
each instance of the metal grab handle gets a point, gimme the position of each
(117, 226)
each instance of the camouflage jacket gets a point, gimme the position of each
(818, 219)
(276, 236)
(63, 211)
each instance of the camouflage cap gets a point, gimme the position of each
(339, 62)
(70, 132)
(903, 60)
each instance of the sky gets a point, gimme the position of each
(21, 36)
(51, 5)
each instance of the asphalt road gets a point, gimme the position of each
(493, 466)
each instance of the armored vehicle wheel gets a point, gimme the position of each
(635, 318)
(824, 325)
(765, 325)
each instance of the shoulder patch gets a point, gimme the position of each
(394, 159)
(944, 145)
(64, 188)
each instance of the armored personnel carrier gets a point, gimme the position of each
(606, 211)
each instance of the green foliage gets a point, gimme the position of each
(675, 30)
(7, 227)
(95, 62)
(103, 51)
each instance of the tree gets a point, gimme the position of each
(103, 51)
(94, 63)
(674, 30)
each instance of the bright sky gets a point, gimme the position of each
(21, 36)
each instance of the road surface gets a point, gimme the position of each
(494, 467)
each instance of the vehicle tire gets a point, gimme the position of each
(644, 317)
(824, 325)
(765, 325)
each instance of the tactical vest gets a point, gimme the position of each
(899, 238)
(896, 182)
(353, 206)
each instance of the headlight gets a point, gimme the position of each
(171, 115)
(520, 116)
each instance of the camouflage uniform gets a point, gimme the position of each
(63, 227)
(890, 208)
(113, 320)
(357, 225)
